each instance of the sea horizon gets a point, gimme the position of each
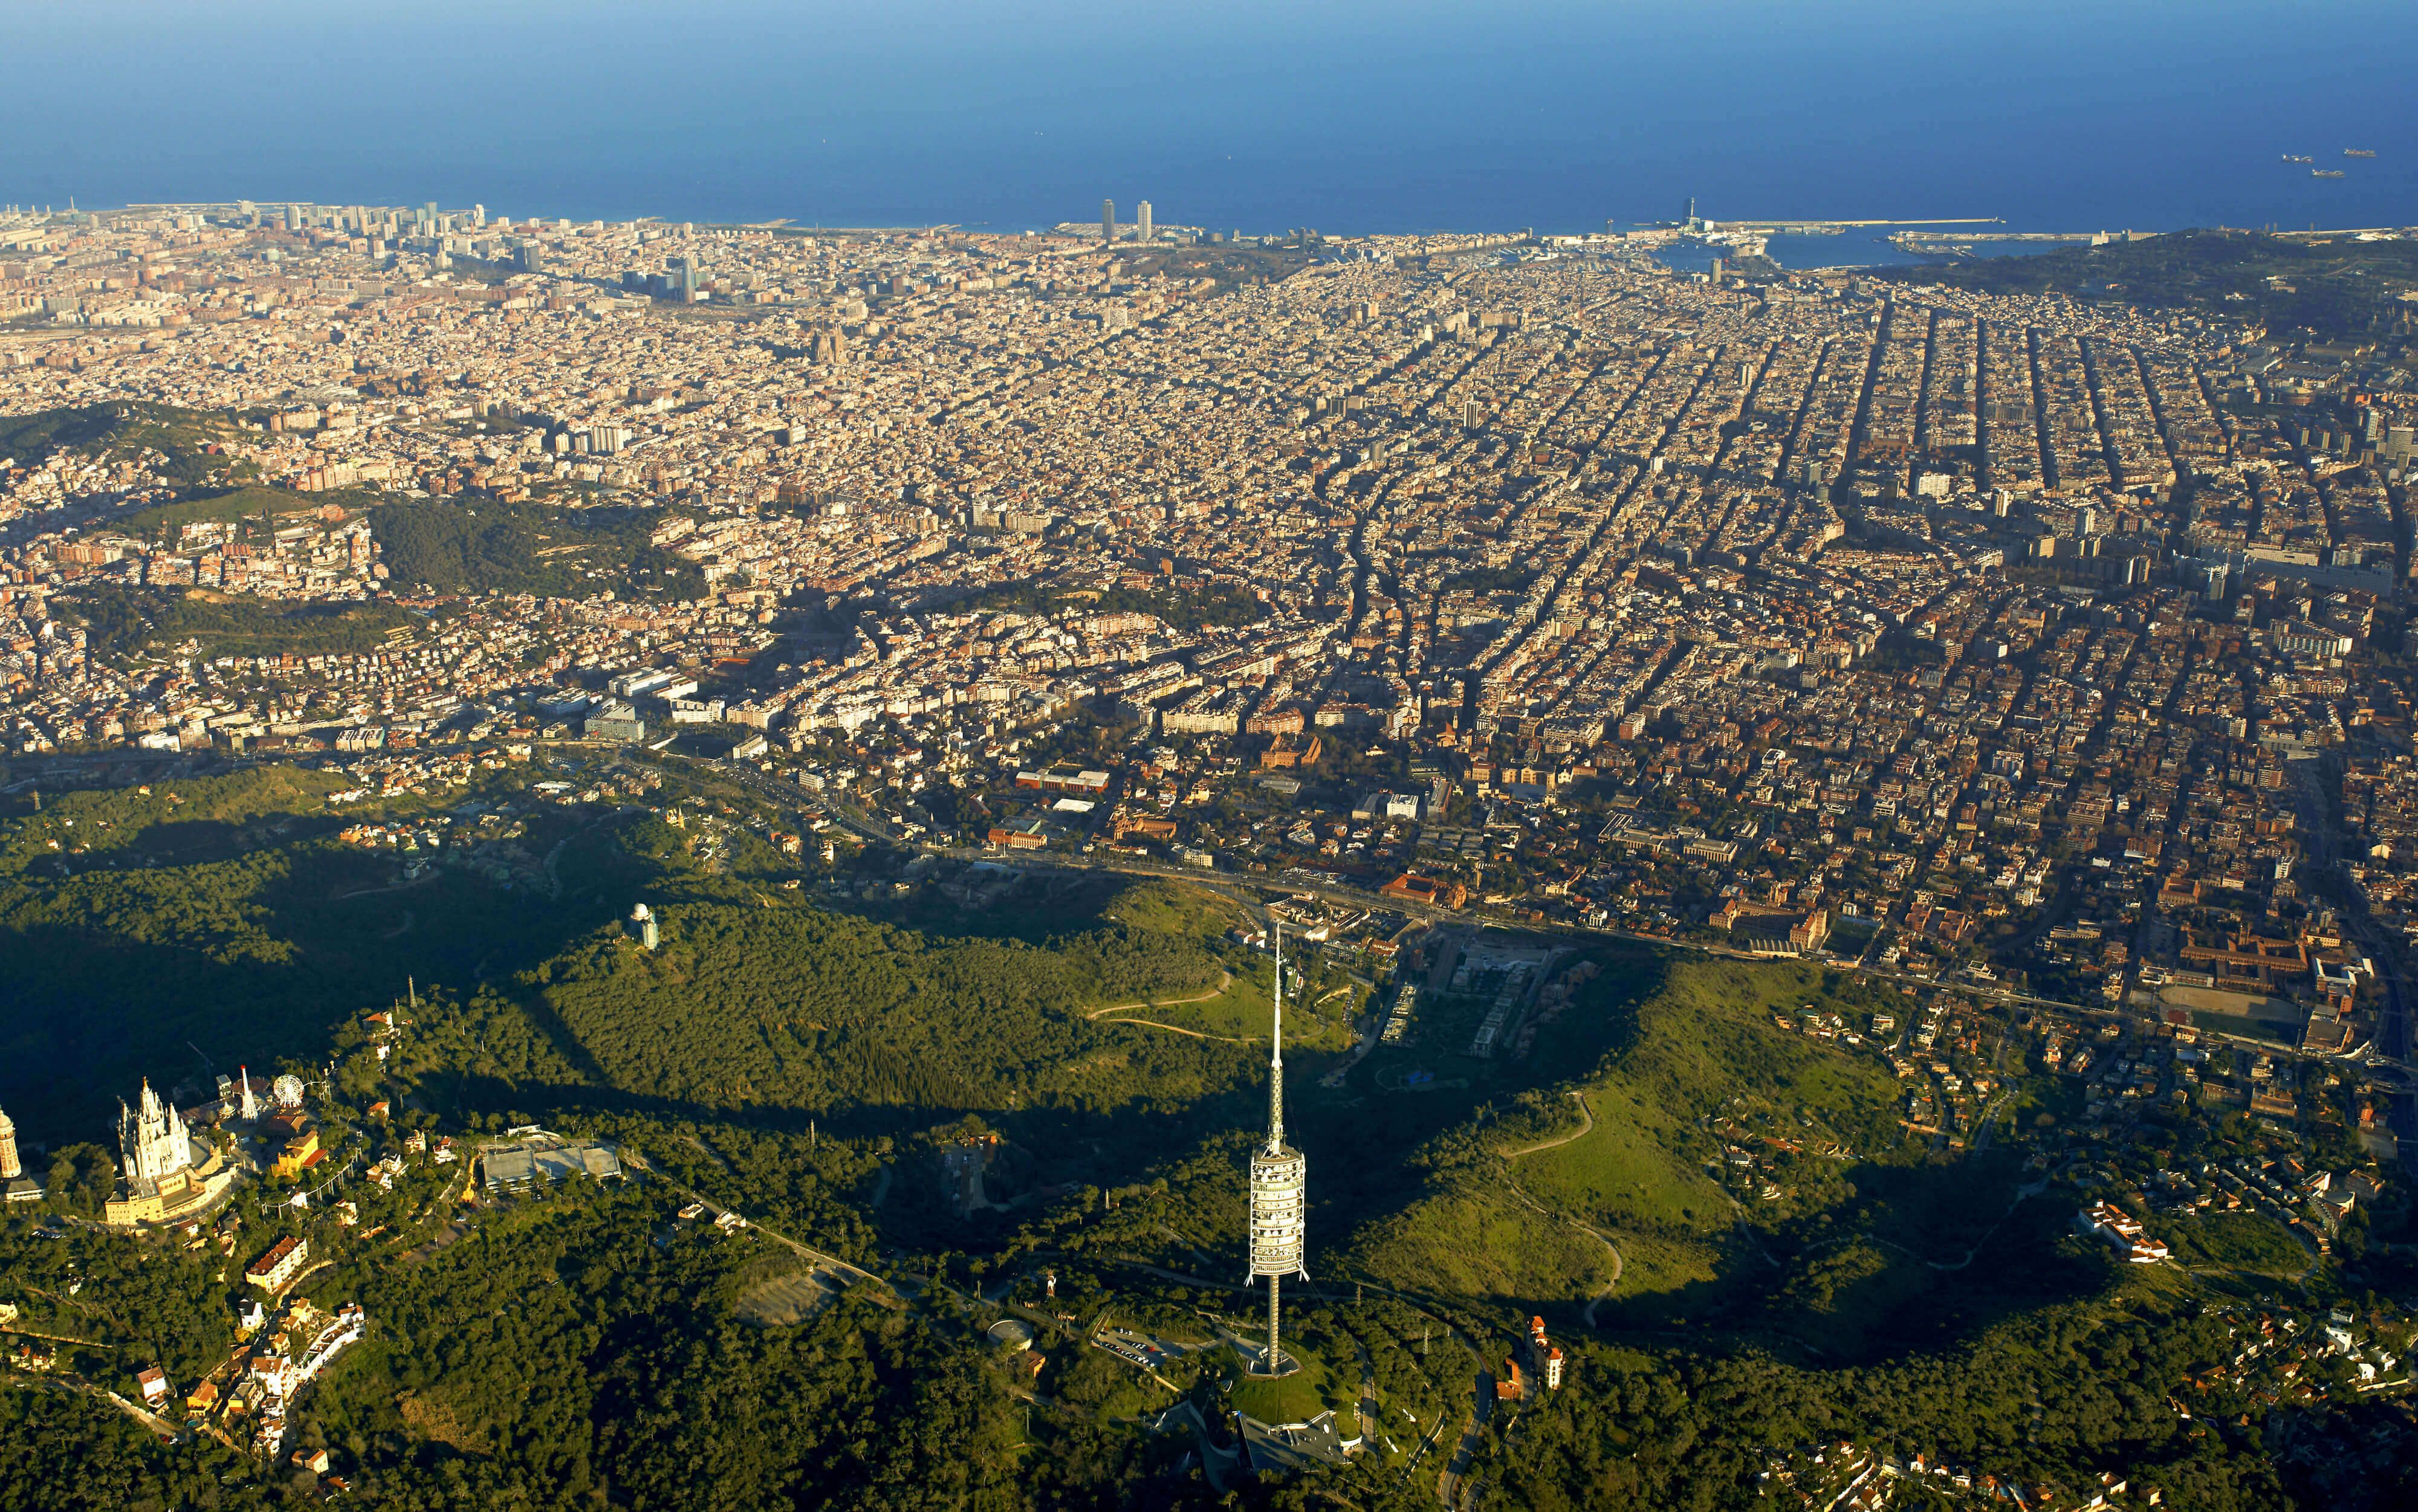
(1552, 116)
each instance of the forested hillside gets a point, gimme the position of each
(124, 429)
(1029, 1102)
(119, 620)
(488, 546)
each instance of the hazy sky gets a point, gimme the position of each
(1349, 117)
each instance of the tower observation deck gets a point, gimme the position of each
(1279, 1190)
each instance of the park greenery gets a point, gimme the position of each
(256, 507)
(191, 442)
(120, 621)
(2327, 289)
(829, 1059)
(549, 550)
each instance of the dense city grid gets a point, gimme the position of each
(1638, 598)
(1787, 786)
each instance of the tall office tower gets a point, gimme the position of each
(10, 1166)
(1469, 414)
(1279, 1189)
(1142, 222)
(478, 215)
(429, 209)
(688, 280)
(1108, 219)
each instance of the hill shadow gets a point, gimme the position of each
(1921, 1259)
(157, 986)
(1032, 906)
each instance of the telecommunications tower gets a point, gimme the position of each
(1280, 1186)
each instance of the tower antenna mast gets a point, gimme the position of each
(1279, 1186)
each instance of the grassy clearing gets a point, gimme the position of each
(2242, 1241)
(1294, 1398)
(1704, 1038)
(1629, 1170)
(1173, 909)
(1241, 1012)
(253, 503)
(1473, 1239)
(1662, 1268)
(1860, 1230)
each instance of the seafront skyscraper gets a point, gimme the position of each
(1280, 1188)
(1108, 219)
(1142, 222)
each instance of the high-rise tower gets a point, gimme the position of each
(1280, 1188)
(1108, 219)
(1142, 222)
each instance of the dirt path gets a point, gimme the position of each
(161, 1427)
(637, 1162)
(1367, 1406)
(1587, 1127)
(1225, 979)
(554, 877)
(1171, 1029)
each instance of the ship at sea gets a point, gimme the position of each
(2325, 172)
(2290, 158)
(2358, 152)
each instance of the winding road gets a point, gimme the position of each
(1586, 1127)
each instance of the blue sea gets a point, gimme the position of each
(1346, 116)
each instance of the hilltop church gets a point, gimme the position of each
(157, 1181)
